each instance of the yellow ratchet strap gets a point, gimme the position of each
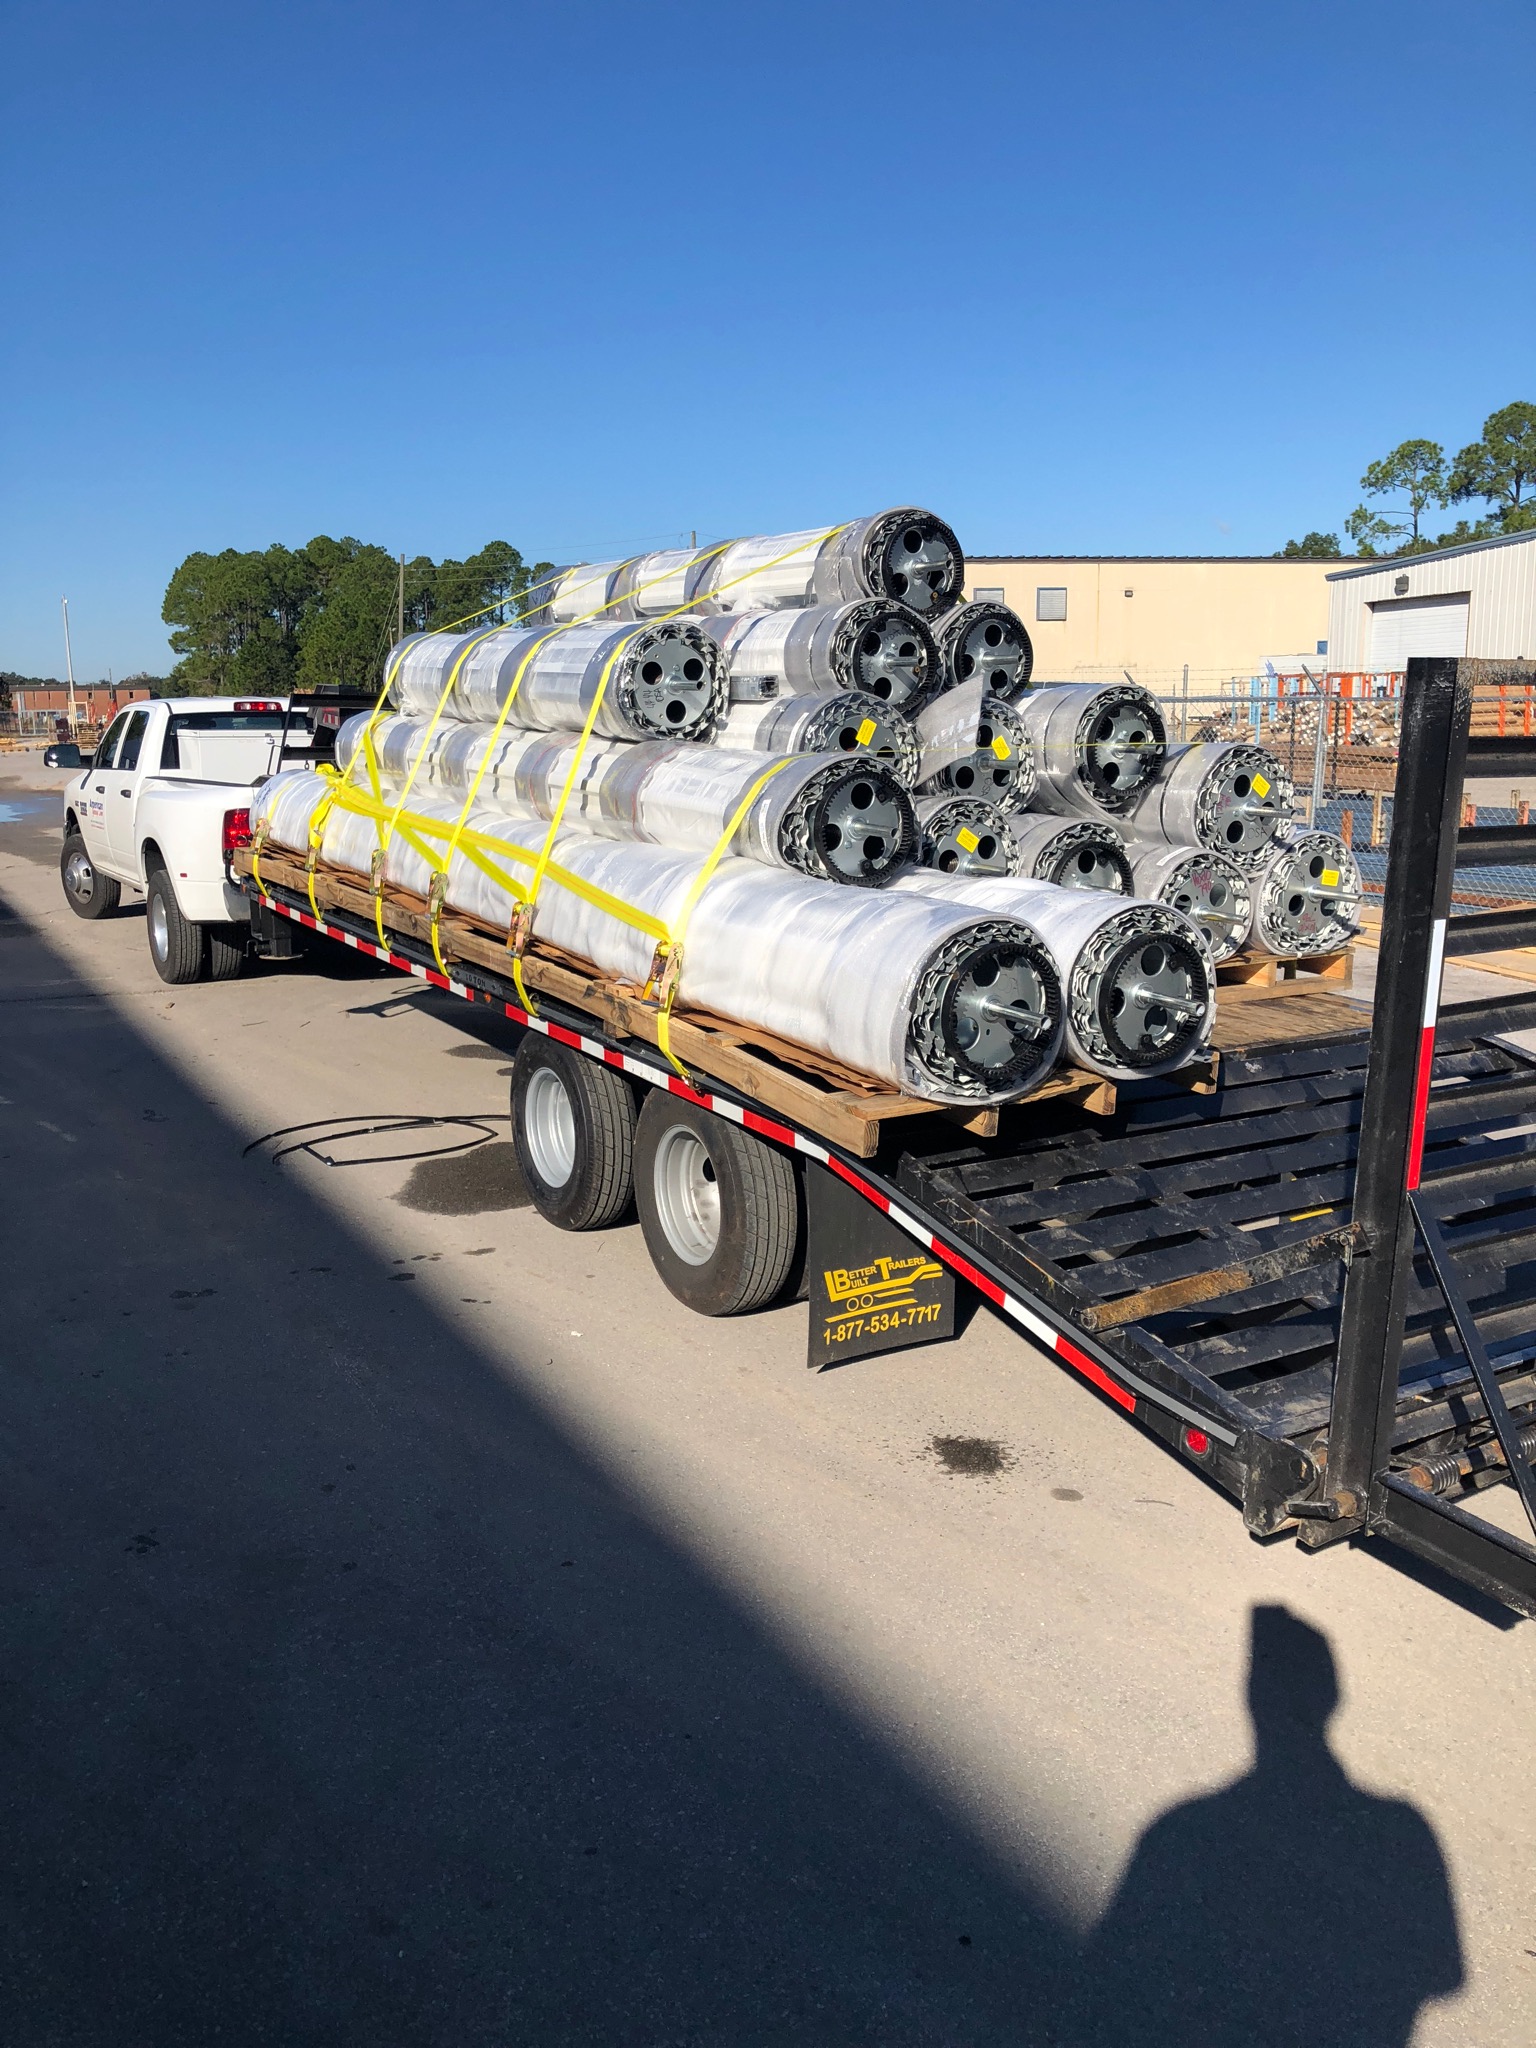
(521, 927)
(669, 955)
(518, 938)
(257, 843)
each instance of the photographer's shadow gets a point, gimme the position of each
(1290, 1907)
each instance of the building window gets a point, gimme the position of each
(1050, 603)
(981, 596)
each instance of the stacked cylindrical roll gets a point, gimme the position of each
(928, 995)
(1306, 899)
(1138, 982)
(819, 781)
(848, 820)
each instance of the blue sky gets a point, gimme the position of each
(1105, 278)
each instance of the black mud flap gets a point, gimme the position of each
(871, 1287)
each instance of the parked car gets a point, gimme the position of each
(63, 754)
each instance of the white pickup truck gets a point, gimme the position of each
(166, 799)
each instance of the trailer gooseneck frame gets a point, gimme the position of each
(1239, 1272)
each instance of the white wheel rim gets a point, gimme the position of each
(549, 1125)
(159, 926)
(687, 1195)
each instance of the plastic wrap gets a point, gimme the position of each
(1226, 794)
(1096, 745)
(999, 765)
(905, 554)
(1307, 899)
(1137, 980)
(849, 724)
(964, 835)
(665, 681)
(1073, 853)
(844, 819)
(988, 642)
(874, 646)
(918, 992)
(1211, 890)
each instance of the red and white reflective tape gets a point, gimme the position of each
(1426, 1066)
(1126, 1389)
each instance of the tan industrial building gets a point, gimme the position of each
(1093, 618)
(1475, 600)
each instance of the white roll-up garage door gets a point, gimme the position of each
(1401, 626)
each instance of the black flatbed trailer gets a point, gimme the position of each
(1316, 1285)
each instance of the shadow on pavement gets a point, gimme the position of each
(1291, 1906)
(345, 1699)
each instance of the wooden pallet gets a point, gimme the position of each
(838, 1103)
(1269, 974)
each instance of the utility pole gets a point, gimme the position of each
(693, 537)
(400, 604)
(69, 667)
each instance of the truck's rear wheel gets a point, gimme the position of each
(178, 947)
(718, 1207)
(226, 950)
(87, 890)
(573, 1126)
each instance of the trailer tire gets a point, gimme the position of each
(573, 1128)
(178, 947)
(226, 950)
(87, 891)
(718, 1207)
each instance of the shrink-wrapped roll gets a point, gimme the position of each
(905, 554)
(664, 681)
(1224, 794)
(999, 764)
(848, 724)
(964, 835)
(1096, 745)
(1306, 900)
(874, 645)
(924, 994)
(1212, 891)
(846, 819)
(987, 642)
(1137, 980)
(1074, 853)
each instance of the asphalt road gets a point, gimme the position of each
(419, 1628)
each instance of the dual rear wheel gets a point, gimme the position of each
(719, 1208)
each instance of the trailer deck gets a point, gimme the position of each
(1313, 1278)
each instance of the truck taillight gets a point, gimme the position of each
(257, 704)
(237, 831)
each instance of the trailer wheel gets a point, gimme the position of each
(573, 1127)
(178, 947)
(226, 950)
(88, 892)
(717, 1206)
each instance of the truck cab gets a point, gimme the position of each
(165, 798)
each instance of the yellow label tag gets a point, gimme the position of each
(1330, 878)
(967, 838)
(866, 732)
(1260, 786)
(1001, 748)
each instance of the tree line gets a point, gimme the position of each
(267, 621)
(1499, 468)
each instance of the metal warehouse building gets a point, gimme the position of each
(1479, 600)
